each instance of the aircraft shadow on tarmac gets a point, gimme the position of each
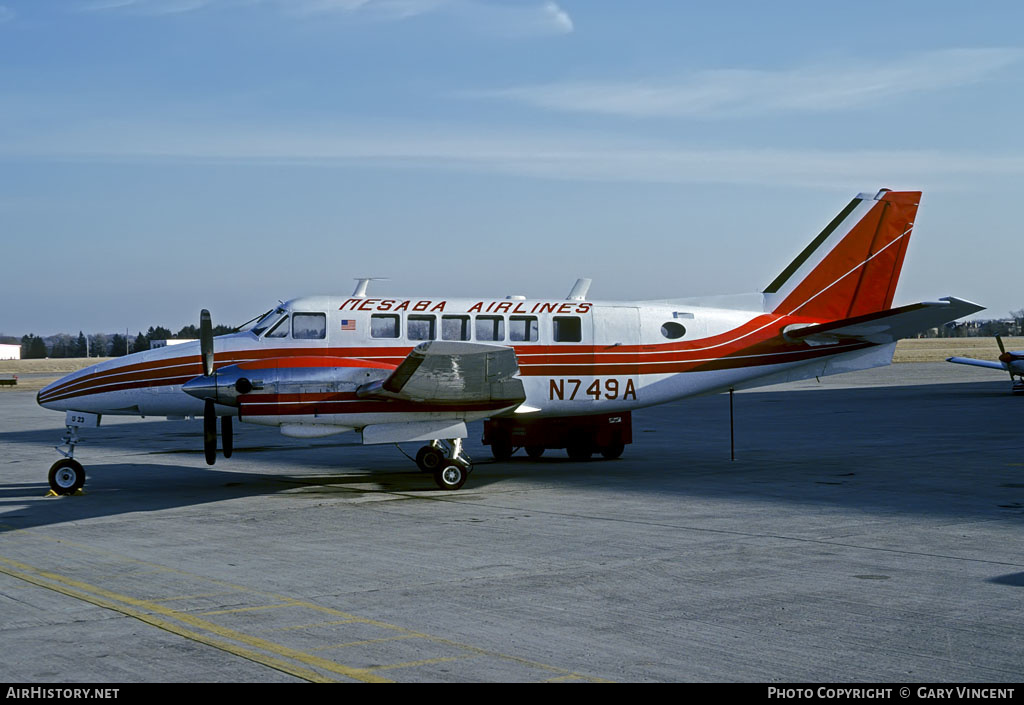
(939, 449)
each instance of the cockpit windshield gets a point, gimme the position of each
(268, 320)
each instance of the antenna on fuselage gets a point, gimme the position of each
(362, 283)
(579, 290)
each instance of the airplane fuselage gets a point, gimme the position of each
(575, 357)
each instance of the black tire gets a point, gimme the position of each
(429, 459)
(535, 452)
(451, 475)
(614, 450)
(501, 445)
(67, 476)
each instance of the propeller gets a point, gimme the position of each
(206, 341)
(1004, 357)
(215, 387)
(226, 441)
(209, 405)
(210, 431)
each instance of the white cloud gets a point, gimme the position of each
(519, 19)
(550, 156)
(146, 7)
(737, 92)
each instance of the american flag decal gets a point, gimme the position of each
(348, 324)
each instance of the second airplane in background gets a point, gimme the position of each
(1012, 362)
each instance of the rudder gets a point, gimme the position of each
(852, 267)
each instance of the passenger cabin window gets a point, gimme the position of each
(420, 327)
(567, 329)
(309, 326)
(280, 329)
(490, 327)
(523, 329)
(455, 327)
(383, 326)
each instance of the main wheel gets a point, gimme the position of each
(66, 476)
(429, 459)
(451, 475)
(614, 450)
(534, 452)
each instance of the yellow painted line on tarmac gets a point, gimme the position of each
(363, 642)
(257, 608)
(345, 618)
(314, 625)
(132, 607)
(197, 596)
(424, 662)
(564, 679)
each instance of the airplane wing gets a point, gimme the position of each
(977, 363)
(452, 372)
(886, 326)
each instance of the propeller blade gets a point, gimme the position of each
(1004, 357)
(225, 435)
(206, 341)
(210, 432)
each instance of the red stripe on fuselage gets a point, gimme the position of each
(754, 343)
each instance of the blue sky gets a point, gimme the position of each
(159, 156)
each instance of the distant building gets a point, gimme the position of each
(170, 341)
(10, 352)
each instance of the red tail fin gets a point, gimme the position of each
(852, 267)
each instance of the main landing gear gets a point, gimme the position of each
(450, 467)
(67, 475)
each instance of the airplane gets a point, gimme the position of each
(1012, 362)
(543, 374)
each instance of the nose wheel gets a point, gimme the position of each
(67, 476)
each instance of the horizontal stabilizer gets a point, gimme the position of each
(452, 371)
(977, 363)
(886, 326)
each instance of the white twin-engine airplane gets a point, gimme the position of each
(546, 374)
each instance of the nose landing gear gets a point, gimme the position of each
(67, 476)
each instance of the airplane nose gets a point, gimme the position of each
(44, 397)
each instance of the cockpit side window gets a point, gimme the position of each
(309, 326)
(280, 329)
(269, 319)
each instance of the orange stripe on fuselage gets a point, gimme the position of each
(754, 343)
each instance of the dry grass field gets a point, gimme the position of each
(35, 374)
(938, 349)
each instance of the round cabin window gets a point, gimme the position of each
(673, 330)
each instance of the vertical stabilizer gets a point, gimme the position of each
(852, 267)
